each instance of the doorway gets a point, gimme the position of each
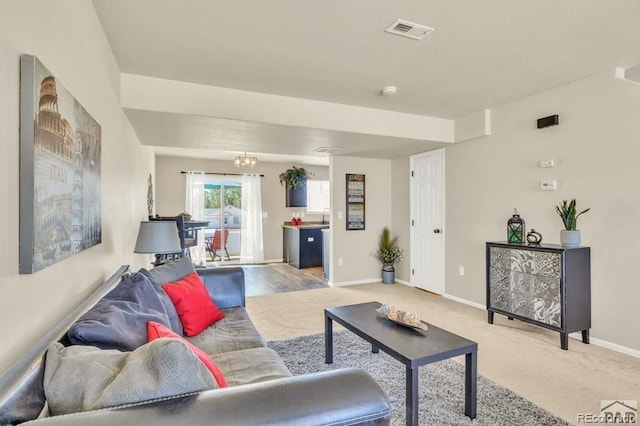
(427, 212)
(223, 211)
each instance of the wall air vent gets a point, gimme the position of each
(408, 29)
(327, 150)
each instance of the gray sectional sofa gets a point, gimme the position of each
(261, 390)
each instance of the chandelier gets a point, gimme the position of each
(244, 161)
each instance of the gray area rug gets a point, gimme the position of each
(441, 384)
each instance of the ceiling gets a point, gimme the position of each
(482, 54)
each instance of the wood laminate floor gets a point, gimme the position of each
(280, 278)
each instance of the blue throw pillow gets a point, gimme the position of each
(119, 319)
(174, 318)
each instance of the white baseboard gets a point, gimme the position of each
(343, 283)
(464, 301)
(605, 344)
(578, 336)
(369, 281)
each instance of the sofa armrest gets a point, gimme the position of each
(337, 397)
(225, 285)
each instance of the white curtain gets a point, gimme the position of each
(194, 205)
(251, 245)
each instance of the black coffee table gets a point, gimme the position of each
(411, 347)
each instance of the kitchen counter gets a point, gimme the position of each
(302, 244)
(306, 225)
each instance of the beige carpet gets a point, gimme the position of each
(522, 357)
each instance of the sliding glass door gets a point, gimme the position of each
(223, 210)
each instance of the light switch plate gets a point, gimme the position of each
(549, 185)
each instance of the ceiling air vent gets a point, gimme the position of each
(327, 150)
(408, 29)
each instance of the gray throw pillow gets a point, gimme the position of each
(81, 378)
(173, 271)
(119, 319)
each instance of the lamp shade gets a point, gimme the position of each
(159, 237)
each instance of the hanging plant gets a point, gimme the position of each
(294, 178)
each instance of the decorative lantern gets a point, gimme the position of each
(515, 229)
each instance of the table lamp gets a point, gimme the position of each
(159, 238)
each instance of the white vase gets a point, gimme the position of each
(570, 238)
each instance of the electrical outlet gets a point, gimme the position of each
(461, 271)
(544, 164)
(340, 261)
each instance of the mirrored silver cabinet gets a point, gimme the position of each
(546, 285)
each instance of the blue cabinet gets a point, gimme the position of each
(302, 247)
(296, 197)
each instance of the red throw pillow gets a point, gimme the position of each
(156, 330)
(193, 304)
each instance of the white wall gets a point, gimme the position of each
(401, 213)
(170, 193)
(67, 37)
(596, 148)
(356, 247)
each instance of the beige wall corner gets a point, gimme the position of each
(630, 74)
(401, 213)
(355, 247)
(473, 126)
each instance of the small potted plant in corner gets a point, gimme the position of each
(295, 182)
(569, 236)
(388, 253)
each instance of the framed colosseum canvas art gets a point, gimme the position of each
(60, 149)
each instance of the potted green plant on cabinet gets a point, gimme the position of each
(389, 253)
(295, 182)
(569, 236)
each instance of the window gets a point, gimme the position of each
(318, 196)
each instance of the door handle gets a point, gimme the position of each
(436, 231)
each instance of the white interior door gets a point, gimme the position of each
(427, 218)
